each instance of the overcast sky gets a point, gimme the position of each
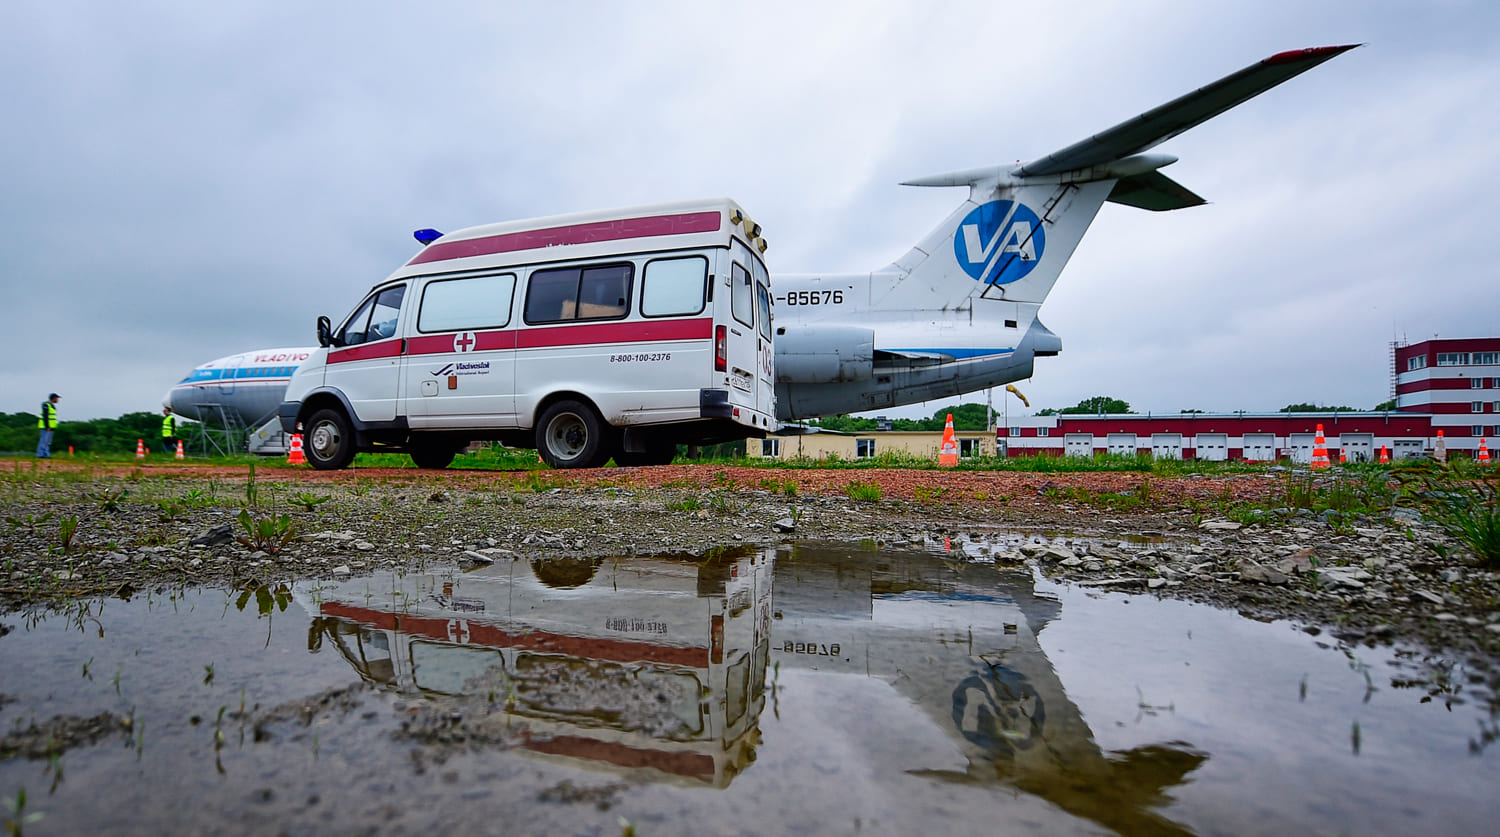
(185, 181)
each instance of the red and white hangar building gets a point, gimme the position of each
(1446, 389)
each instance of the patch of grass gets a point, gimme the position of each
(689, 504)
(1462, 498)
(308, 500)
(268, 534)
(863, 492)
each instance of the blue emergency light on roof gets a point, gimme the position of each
(426, 236)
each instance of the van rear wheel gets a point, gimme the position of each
(330, 440)
(572, 435)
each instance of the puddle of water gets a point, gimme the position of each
(813, 689)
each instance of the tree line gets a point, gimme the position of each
(18, 433)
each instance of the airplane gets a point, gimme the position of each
(240, 390)
(956, 314)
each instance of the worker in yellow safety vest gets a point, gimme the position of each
(47, 422)
(168, 431)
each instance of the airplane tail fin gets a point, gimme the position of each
(1010, 240)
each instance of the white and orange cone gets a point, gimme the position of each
(1320, 451)
(948, 452)
(140, 448)
(1484, 453)
(294, 456)
(1385, 456)
(181, 454)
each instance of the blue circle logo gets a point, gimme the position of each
(999, 242)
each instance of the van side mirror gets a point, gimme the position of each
(325, 332)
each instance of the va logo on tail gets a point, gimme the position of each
(999, 242)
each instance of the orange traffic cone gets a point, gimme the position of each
(1343, 457)
(1440, 448)
(1484, 453)
(948, 453)
(140, 449)
(1320, 451)
(294, 456)
(1385, 457)
(180, 453)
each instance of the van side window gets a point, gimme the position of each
(579, 293)
(375, 320)
(674, 287)
(466, 304)
(763, 304)
(742, 295)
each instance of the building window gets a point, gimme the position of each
(1476, 430)
(1486, 358)
(1495, 382)
(1453, 359)
(770, 447)
(1476, 383)
(1476, 406)
(1015, 432)
(1497, 406)
(864, 448)
(970, 448)
(1415, 363)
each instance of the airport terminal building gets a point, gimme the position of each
(1442, 386)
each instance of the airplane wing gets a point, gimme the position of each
(1160, 124)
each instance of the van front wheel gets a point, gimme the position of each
(330, 440)
(571, 435)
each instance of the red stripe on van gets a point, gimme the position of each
(491, 636)
(439, 344)
(696, 765)
(366, 351)
(623, 228)
(629, 332)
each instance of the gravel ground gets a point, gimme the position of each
(1392, 579)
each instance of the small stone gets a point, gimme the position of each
(342, 569)
(364, 546)
(1156, 583)
(1424, 597)
(1221, 525)
(1262, 575)
(785, 525)
(478, 557)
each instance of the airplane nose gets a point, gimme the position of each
(172, 402)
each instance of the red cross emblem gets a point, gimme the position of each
(464, 342)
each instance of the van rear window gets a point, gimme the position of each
(564, 294)
(674, 287)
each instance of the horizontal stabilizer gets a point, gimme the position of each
(1154, 191)
(1160, 124)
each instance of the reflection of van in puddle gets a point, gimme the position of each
(654, 664)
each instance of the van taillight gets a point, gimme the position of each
(721, 348)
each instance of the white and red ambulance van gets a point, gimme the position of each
(615, 334)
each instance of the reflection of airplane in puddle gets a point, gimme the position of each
(959, 640)
(653, 664)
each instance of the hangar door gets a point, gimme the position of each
(1407, 448)
(1260, 447)
(1166, 445)
(1358, 447)
(1300, 447)
(1212, 447)
(1122, 443)
(1080, 444)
